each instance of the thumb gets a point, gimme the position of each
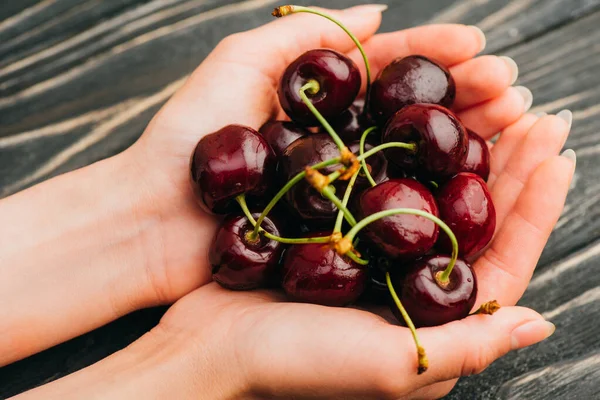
(468, 346)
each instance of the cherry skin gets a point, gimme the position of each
(306, 200)
(402, 235)
(410, 80)
(239, 263)
(377, 165)
(430, 303)
(440, 137)
(339, 81)
(466, 206)
(280, 134)
(316, 273)
(351, 124)
(231, 161)
(478, 156)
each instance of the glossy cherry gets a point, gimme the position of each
(352, 122)
(410, 80)
(307, 201)
(231, 161)
(406, 236)
(430, 303)
(280, 134)
(466, 206)
(237, 261)
(440, 137)
(339, 83)
(478, 156)
(315, 273)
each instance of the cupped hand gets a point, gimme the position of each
(286, 349)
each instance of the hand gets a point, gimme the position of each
(241, 343)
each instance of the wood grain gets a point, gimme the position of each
(80, 79)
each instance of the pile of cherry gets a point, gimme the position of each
(383, 198)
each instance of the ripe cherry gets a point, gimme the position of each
(410, 80)
(466, 206)
(338, 80)
(229, 162)
(316, 273)
(351, 124)
(431, 303)
(440, 137)
(478, 156)
(406, 236)
(240, 262)
(280, 134)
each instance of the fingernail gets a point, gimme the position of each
(371, 8)
(527, 96)
(482, 39)
(570, 154)
(567, 116)
(530, 333)
(514, 68)
(541, 114)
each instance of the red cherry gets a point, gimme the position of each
(339, 82)
(440, 137)
(478, 156)
(401, 235)
(410, 80)
(280, 134)
(466, 207)
(232, 161)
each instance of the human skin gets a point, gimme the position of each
(87, 247)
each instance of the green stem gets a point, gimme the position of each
(295, 9)
(347, 193)
(241, 199)
(351, 255)
(422, 357)
(363, 162)
(286, 188)
(327, 192)
(410, 146)
(445, 275)
(313, 87)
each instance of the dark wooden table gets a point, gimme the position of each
(80, 79)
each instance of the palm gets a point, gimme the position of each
(236, 84)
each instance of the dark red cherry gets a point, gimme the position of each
(240, 263)
(280, 134)
(307, 201)
(428, 302)
(231, 161)
(406, 236)
(338, 78)
(315, 273)
(466, 207)
(351, 124)
(478, 156)
(377, 165)
(410, 80)
(441, 140)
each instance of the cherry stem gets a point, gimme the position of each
(351, 255)
(329, 194)
(443, 277)
(241, 199)
(410, 146)
(423, 362)
(290, 9)
(487, 308)
(313, 87)
(363, 138)
(347, 193)
(286, 188)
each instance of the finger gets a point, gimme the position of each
(481, 79)
(507, 143)
(461, 43)
(433, 391)
(545, 139)
(493, 116)
(241, 74)
(505, 269)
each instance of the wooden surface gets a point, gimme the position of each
(80, 79)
